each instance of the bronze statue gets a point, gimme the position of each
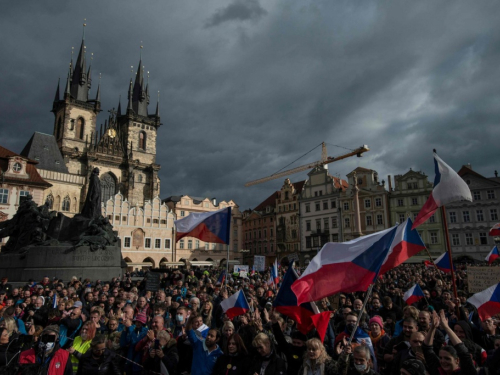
(92, 206)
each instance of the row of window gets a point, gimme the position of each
(257, 249)
(257, 222)
(127, 241)
(347, 222)
(469, 239)
(477, 195)
(208, 246)
(148, 220)
(4, 195)
(287, 207)
(466, 215)
(262, 234)
(402, 218)
(333, 204)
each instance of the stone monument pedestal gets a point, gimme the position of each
(36, 262)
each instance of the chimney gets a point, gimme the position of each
(496, 173)
(214, 201)
(389, 182)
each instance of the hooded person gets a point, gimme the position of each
(47, 354)
(464, 332)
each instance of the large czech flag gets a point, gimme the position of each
(495, 230)
(443, 263)
(235, 305)
(207, 226)
(448, 187)
(487, 302)
(493, 255)
(414, 294)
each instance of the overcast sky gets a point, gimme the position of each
(247, 86)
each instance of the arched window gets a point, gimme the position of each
(66, 204)
(50, 201)
(139, 178)
(142, 140)
(80, 127)
(108, 187)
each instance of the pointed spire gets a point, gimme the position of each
(130, 94)
(57, 97)
(119, 111)
(98, 95)
(80, 82)
(140, 96)
(89, 75)
(157, 113)
(67, 92)
(100, 134)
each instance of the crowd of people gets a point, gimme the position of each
(81, 327)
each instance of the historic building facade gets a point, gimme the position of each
(406, 198)
(319, 211)
(364, 206)
(470, 222)
(193, 250)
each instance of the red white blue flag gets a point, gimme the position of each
(274, 272)
(235, 305)
(448, 187)
(495, 231)
(443, 263)
(487, 302)
(207, 226)
(493, 255)
(414, 294)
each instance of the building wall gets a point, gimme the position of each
(287, 220)
(63, 185)
(260, 234)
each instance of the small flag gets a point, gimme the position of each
(443, 263)
(222, 277)
(487, 302)
(235, 305)
(54, 300)
(495, 231)
(428, 264)
(493, 255)
(274, 272)
(414, 294)
(207, 226)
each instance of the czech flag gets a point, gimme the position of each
(495, 231)
(274, 272)
(207, 226)
(428, 264)
(487, 302)
(414, 294)
(443, 263)
(448, 187)
(222, 277)
(235, 305)
(347, 266)
(406, 243)
(493, 255)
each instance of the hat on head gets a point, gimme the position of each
(78, 304)
(141, 317)
(413, 366)
(377, 319)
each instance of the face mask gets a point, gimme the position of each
(360, 368)
(116, 345)
(180, 318)
(46, 346)
(350, 327)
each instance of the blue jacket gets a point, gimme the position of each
(129, 338)
(203, 361)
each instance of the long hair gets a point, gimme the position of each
(315, 343)
(91, 330)
(208, 319)
(240, 345)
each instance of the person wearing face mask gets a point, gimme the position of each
(82, 343)
(180, 320)
(98, 360)
(235, 359)
(361, 362)
(47, 354)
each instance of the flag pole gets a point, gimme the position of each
(365, 302)
(448, 250)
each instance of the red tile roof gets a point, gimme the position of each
(34, 177)
(270, 201)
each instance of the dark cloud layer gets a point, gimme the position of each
(248, 86)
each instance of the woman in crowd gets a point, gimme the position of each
(99, 360)
(227, 331)
(266, 362)
(164, 351)
(82, 343)
(6, 350)
(379, 338)
(235, 359)
(10, 324)
(317, 361)
(206, 313)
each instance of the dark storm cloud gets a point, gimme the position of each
(240, 10)
(242, 100)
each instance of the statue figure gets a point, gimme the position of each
(92, 206)
(98, 235)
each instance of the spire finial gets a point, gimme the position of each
(100, 76)
(148, 78)
(84, 24)
(140, 51)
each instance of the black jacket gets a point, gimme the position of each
(88, 365)
(170, 359)
(276, 365)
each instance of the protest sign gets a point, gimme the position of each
(481, 278)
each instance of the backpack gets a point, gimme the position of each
(63, 334)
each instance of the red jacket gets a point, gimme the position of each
(57, 365)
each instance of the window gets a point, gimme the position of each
(491, 194)
(380, 220)
(161, 221)
(49, 200)
(308, 207)
(453, 217)
(23, 193)
(181, 244)
(213, 246)
(432, 219)
(318, 206)
(294, 233)
(466, 216)
(148, 220)
(190, 244)
(369, 220)
(346, 206)
(334, 222)
(167, 243)
(265, 233)
(66, 204)
(335, 238)
(479, 215)
(400, 203)
(126, 242)
(318, 224)
(142, 140)
(157, 243)
(183, 213)
(378, 202)
(139, 177)
(80, 128)
(147, 243)
(434, 238)
(368, 203)
(308, 226)
(197, 244)
(325, 205)
(308, 242)
(415, 214)
(455, 239)
(347, 222)
(414, 201)
(468, 239)
(186, 202)
(333, 204)
(402, 218)
(483, 239)
(494, 214)
(476, 195)
(326, 223)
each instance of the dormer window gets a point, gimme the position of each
(17, 167)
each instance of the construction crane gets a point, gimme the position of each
(325, 159)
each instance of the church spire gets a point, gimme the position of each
(119, 110)
(157, 113)
(67, 92)
(80, 82)
(140, 96)
(130, 94)
(58, 96)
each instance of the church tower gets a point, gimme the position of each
(76, 114)
(139, 131)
